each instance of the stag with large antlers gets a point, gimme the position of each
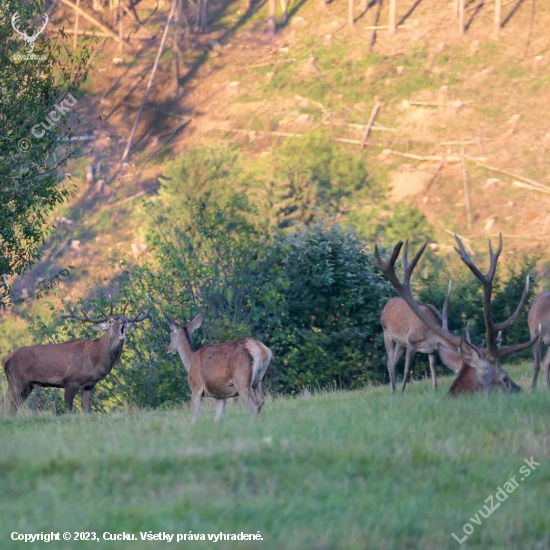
(480, 368)
(221, 370)
(405, 332)
(77, 365)
(29, 40)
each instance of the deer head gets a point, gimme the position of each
(484, 362)
(180, 330)
(29, 40)
(114, 326)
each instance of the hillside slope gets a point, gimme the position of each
(440, 93)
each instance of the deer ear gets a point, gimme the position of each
(101, 326)
(470, 354)
(195, 323)
(171, 322)
(450, 357)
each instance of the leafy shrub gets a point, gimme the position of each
(313, 296)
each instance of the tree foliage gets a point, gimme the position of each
(312, 295)
(30, 186)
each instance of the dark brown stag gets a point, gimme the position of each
(480, 368)
(77, 365)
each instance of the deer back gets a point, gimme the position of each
(217, 365)
(404, 326)
(539, 314)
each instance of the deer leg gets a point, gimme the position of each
(546, 366)
(70, 392)
(258, 392)
(87, 400)
(409, 355)
(537, 352)
(195, 405)
(248, 399)
(220, 406)
(17, 395)
(391, 351)
(431, 358)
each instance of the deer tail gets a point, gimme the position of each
(7, 363)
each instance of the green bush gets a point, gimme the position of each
(313, 296)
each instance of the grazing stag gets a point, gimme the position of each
(77, 365)
(539, 317)
(480, 368)
(403, 330)
(221, 370)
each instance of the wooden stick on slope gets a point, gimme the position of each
(148, 89)
(370, 123)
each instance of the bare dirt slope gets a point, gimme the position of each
(442, 95)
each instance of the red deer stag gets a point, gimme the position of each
(403, 330)
(77, 365)
(539, 316)
(221, 370)
(480, 368)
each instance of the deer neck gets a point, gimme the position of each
(467, 381)
(110, 353)
(185, 349)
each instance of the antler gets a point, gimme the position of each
(141, 316)
(404, 289)
(493, 329)
(46, 19)
(445, 310)
(14, 19)
(85, 319)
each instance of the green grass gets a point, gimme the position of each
(340, 470)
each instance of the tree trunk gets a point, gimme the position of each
(202, 16)
(461, 28)
(351, 19)
(393, 17)
(323, 4)
(283, 8)
(76, 22)
(271, 21)
(498, 17)
(176, 51)
(120, 26)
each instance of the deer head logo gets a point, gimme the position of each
(29, 40)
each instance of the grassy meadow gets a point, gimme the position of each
(350, 470)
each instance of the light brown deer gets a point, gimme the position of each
(221, 370)
(480, 368)
(77, 365)
(404, 331)
(539, 317)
